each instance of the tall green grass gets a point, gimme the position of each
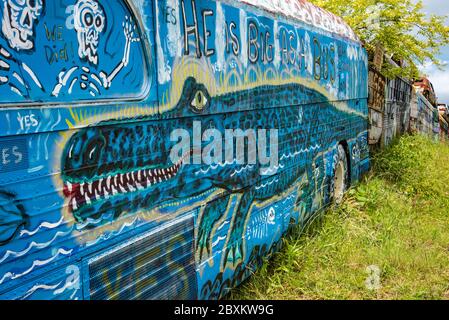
(396, 221)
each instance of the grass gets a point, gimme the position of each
(396, 220)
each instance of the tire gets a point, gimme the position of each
(340, 181)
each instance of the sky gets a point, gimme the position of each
(439, 78)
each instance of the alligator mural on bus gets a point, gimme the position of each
(112, 169)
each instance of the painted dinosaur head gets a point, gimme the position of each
(122, 167)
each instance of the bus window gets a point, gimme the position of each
(70, 50)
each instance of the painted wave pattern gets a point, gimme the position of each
(125, 227)
(35, 264)
(34, 245)
(61, 289)
(250, 166)
(54, 231)
(42, 227)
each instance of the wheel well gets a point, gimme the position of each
(345, 145)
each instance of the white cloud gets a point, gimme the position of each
(440, 81)
(440, 7)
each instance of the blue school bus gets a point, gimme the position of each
(159, 149)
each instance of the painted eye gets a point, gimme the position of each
(88, 19)
(199, 101)
(98, 22)
(32, 3)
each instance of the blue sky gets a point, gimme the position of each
(440, 79)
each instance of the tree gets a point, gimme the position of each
(400, 26)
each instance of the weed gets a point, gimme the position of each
(393, 229)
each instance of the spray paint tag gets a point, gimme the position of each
(13, 155)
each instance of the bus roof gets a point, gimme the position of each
(306, 12)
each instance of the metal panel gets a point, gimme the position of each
(157, 265)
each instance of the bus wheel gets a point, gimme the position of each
(341, 176)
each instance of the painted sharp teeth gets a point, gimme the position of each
(120, 184)
(120, 189)
(74, 204)
(139, 186)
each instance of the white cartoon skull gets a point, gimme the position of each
(90, 21)
(18, 21)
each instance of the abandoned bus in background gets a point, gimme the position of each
(96, 97)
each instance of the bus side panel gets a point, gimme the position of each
(70, 82)
(228, 65)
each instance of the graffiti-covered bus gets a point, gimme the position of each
(159, 149)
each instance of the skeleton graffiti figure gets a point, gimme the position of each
(19, 18)
(90, 22)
